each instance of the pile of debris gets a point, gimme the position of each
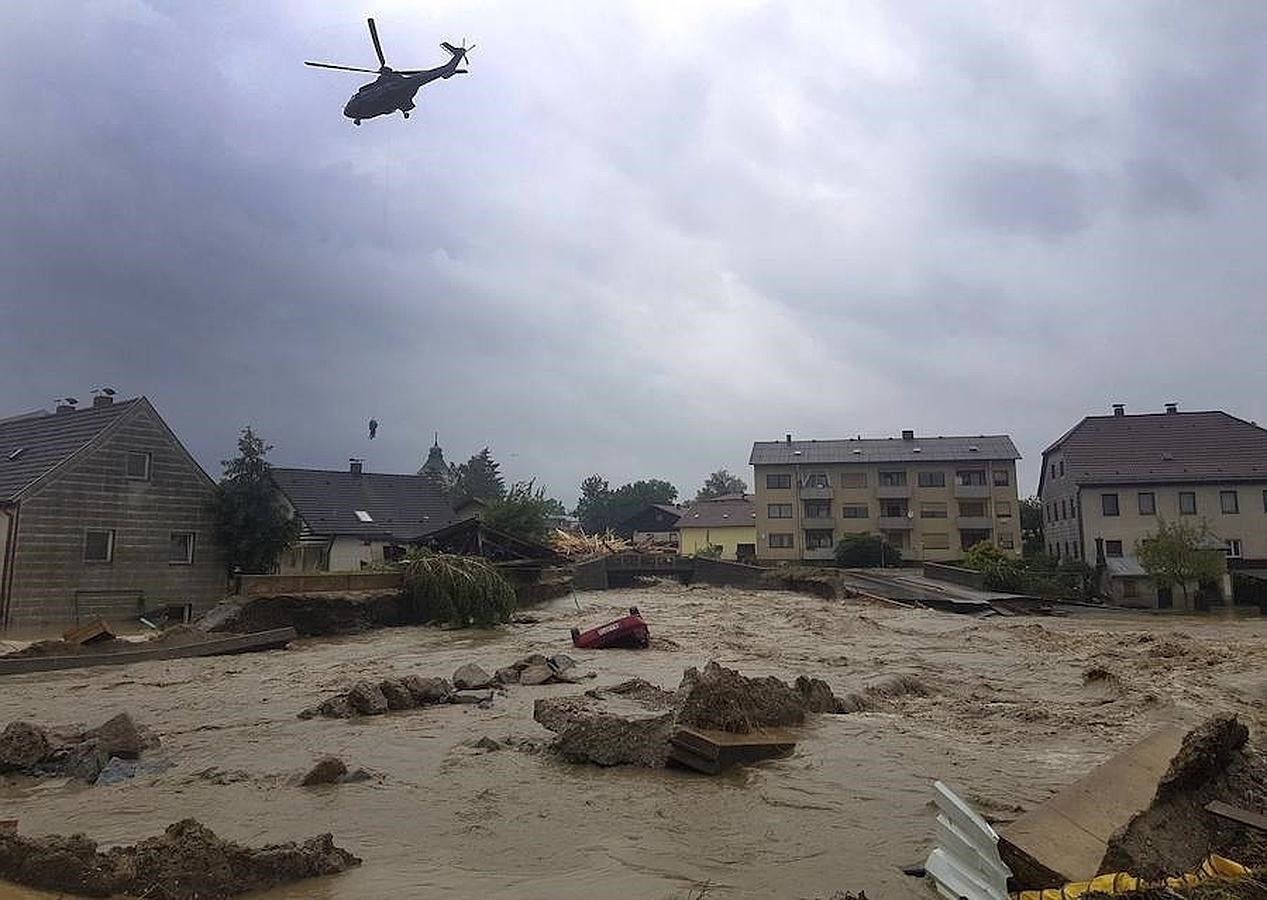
(317, 614)
(579, 545)
(470, 684)
(102, 755)
(188, 860)
(98, 637)
(637, 723)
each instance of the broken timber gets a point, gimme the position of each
(1236, 814)
(273, 639)
(711, 752)
(96, 630)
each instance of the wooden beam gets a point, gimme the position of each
(1236, 814)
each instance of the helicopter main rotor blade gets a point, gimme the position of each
(344, 68)
(378, 48)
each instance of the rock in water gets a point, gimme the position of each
(628, 724)
(427, 690)
(532, 659)
(398, 696)
(536, 675)
(561, 661)
(471, 697)
(471, 677)
(328, 770)
(22, 745)
(85, 761)
(507, 675)
(367, 699)
(118, 737)
(721, 698)
(817, 695)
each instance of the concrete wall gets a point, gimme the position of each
(271, 585)
(52, 584)
(921, 536)
(955, 575)
(693, 539)
(727, 574)
(351, 554)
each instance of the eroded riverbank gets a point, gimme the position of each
(1009, 718)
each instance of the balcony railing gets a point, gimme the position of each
(819, 553)
(972, 490)
(893, 490)
(816, 493)
(974, 523)
(896, 523)
(827, 521)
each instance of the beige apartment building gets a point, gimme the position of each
(1107, 482)
(931, 497)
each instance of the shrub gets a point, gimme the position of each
(866, 551)
(460, 590)
(709, 551)
(1001, 571)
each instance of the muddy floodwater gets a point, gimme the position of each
(1007, 721)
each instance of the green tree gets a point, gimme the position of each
(866, 551)
(591, 508)
(720, 483)
(523, 512)
(600, 508)
(253, 526)
(1001, 571)
(480, 476)
(1178, 554)
(1033, 543)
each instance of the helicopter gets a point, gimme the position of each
(394, 89)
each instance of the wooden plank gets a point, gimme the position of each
(711, 751)
(96, 630)
(1236, 814)
(241, 643)
(1065, 839)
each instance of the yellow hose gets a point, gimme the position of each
(1213, 866)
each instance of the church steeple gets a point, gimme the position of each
(435, 465)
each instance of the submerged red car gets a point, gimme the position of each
(628, 631)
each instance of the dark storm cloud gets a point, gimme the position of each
(638, 236)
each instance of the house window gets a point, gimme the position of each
(1112, 548)
(970, 477)
(1053, 470)
(1000, 478)
(932, 510)
(180, 548)
(1264, 501)
(1006, 541)
(893, 479)
(779, 511)
(393, 553)
(98, 545)
(1232, 547)
(972, 508)
(1230, 502)
(1147, 503)
(1062, 467)
(932, 479)
(1003, 509)
(853, 479)
(1187, 503)
(781, 541)
(817, 509)
(854, 511)
(1063, 513)
(1073, 508)
(818, 539)
(1130, 588)
(815, 480)
(778, 482)
(937, 540)
(1077, 550)
(363, 515)
(893, 509)
(138, 466)
(1108, 504)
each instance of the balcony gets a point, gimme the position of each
(974, 523)
(895, 523)
(816, 493)
(821, 553)
(823, 522)
(972, 491)
(888, 491)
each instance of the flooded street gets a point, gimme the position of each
(1008, 719)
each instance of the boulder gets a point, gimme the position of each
(507, 675)
(532, 659)
(536, 675)
(398, 696)
(118, 737)
(629, 724)
(85, 761)
(118, 770)
(427, 690)
(23, 745)
(471, 677)
(471, 697)
(367, 699)
(817, 695)
(328, 770)
(561, 661)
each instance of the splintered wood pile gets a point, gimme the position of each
(578, 545)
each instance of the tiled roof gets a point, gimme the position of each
(1164, 447)
(33, 445)
(884, 450)
(403, 507)
(730, 513)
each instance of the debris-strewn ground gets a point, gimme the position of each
(998, 708)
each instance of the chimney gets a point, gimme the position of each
(67, 405)
(789, 440)
(1119, 409)
(1172, 407)
(102, 400)
(354, 465)
(908, 435)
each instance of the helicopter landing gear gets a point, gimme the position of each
(356, 121)
(405, 113)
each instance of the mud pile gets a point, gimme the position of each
(881, 694)
(721, 698)
(29, 749)
(314, 614)
(1175, 833)
(176, 636)
(187, 861)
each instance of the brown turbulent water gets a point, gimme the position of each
(1008, 721)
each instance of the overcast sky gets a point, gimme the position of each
(638, 236)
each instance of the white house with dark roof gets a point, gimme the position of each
(352, 519)
(930, 497)
(102, 513)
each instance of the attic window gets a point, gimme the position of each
(1169, 457)
(917, 449)
(856, 450)
(16, 453)
(973, 448)
(363, 515)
